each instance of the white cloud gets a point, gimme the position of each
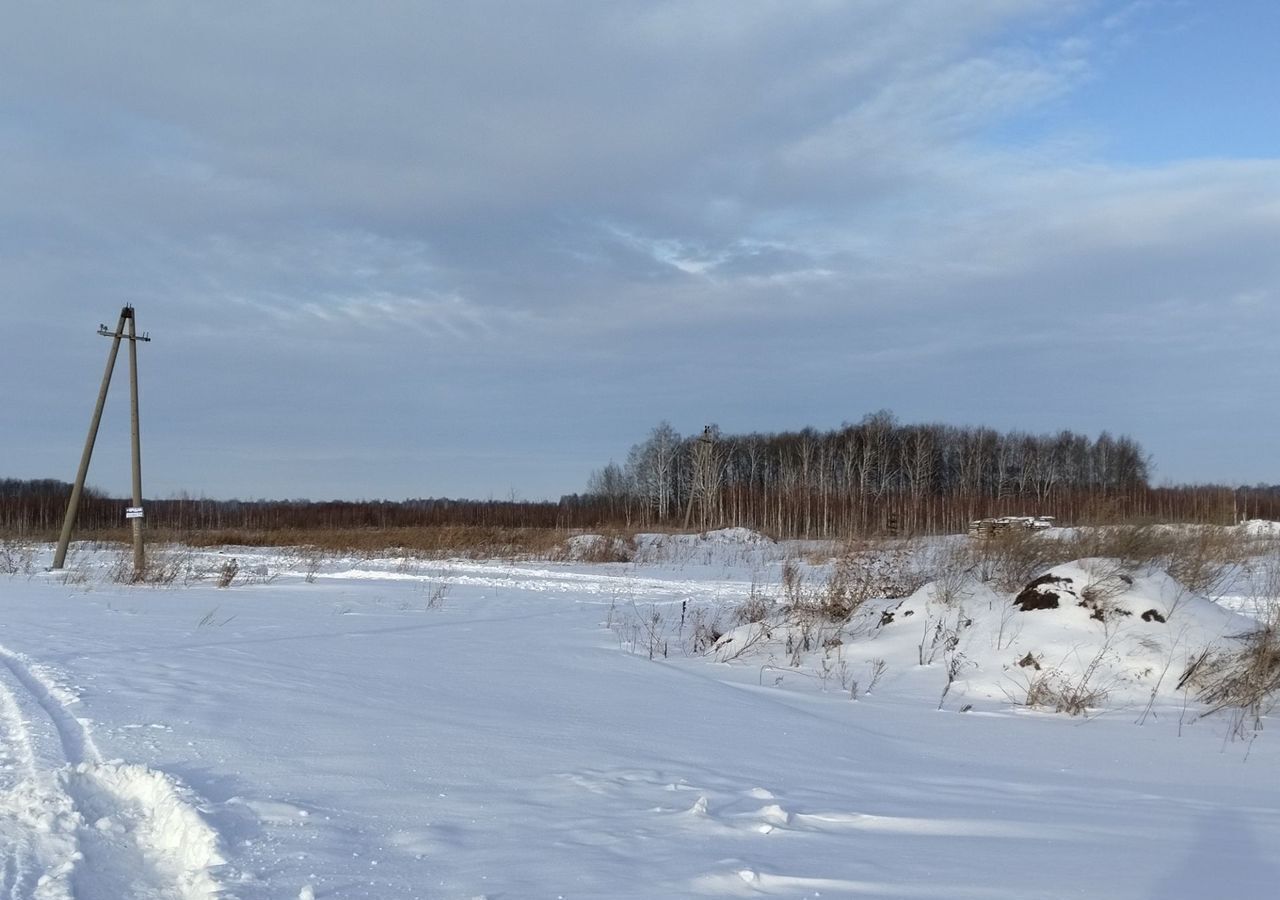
(576, 201)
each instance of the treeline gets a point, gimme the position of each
(882, 476)
(36, 509)
(877, 476)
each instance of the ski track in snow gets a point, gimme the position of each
(623, 586)
(76, 827)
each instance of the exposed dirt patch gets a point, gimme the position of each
(1029, 662)
(1101, 611)
(1037, 594)
(1153, 615)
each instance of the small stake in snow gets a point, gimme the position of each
(134, 512)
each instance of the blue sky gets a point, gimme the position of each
(407, 249)
(1181, 81)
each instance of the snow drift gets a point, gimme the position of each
(1080, 635)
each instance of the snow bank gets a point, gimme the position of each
(1087, 629)
(598, 548)
(722, 547)
(735, 536)
(131, 804)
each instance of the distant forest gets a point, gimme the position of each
(36, 508)
(877, 476)
(882, 476)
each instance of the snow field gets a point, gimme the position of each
(345, 737)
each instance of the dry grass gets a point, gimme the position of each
(1245, 681)
(756, 608)
(170, 564)
(1008, 559)
(17, 557)
(1073, 694)
(864, 570)
(163, 566)
(1202, 557)
(430, 543)
(1050, 690)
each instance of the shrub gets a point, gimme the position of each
(755, 608)
(864, 571)
(1052, 690)
(162, 567)
(16, 557)
(1009, 559)
(1245, 680)
(1202, 557)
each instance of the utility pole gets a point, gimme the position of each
(135, 449)
(134, 513)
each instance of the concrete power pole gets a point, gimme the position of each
(135, 512)
(135, 449)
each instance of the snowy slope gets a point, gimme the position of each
(396, 729)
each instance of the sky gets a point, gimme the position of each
(411, 249)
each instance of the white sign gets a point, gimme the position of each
(133, 512)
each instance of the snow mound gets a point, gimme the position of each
(721, 547)
(1087, 629)
(1080, 636)
(1260, 528)
(1100, 632)
(736, 536)
(598, 548)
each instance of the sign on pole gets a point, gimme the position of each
(133, 512)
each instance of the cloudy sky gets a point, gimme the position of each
(395, 249)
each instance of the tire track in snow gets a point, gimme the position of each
(77, 827)
(38, 843)
(77, 746)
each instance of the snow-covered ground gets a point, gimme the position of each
(407, 729)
